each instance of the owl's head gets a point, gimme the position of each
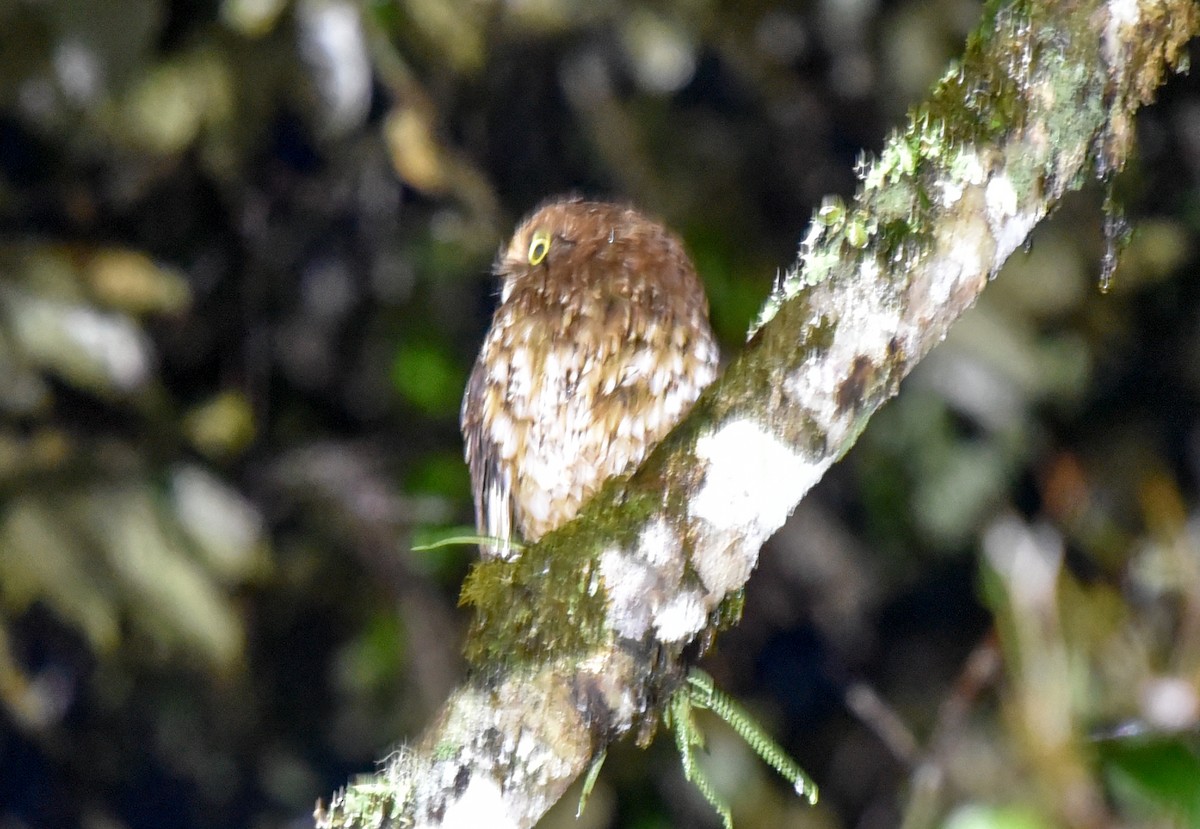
(569, 245)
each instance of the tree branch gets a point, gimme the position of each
(580, 640)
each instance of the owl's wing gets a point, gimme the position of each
(491, 486)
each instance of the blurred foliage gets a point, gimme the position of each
(244, 250)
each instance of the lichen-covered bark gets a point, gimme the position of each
(578, 642)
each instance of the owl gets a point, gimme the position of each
(600, 344)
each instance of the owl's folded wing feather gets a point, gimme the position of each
(490, 484)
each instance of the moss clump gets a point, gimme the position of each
(551, 600)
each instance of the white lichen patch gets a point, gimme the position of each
(951, 192)
(961, 243)
(750, 477)
(527, 750)
(529, 756)
(724, 558)
(659, 546)
(639, 584)
(1126, 12)
(482, 803)
(1011, 231)
(1122, 15)
(866, 325)
(681, 618)
(1000, 197)
(960, 255)
(966, 168)
(631, 585)
(1009, 224)
(752, 482)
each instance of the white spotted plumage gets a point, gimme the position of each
(593, 355)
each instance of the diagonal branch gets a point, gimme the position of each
(579, 641)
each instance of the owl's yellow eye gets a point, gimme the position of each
(539, 246)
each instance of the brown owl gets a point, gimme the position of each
(600, 345)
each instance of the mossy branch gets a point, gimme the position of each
(579, 641)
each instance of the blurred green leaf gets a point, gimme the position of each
(444, 473)
(42, 560)
(103, 352)
(130, 281)
(225, 529)
(222, 426)
(734, 298)
(168, 593)
(1156, 776)
(436, 552)
(375, 657)
(426, 376)
(979, 816)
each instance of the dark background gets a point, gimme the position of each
(244, 268)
